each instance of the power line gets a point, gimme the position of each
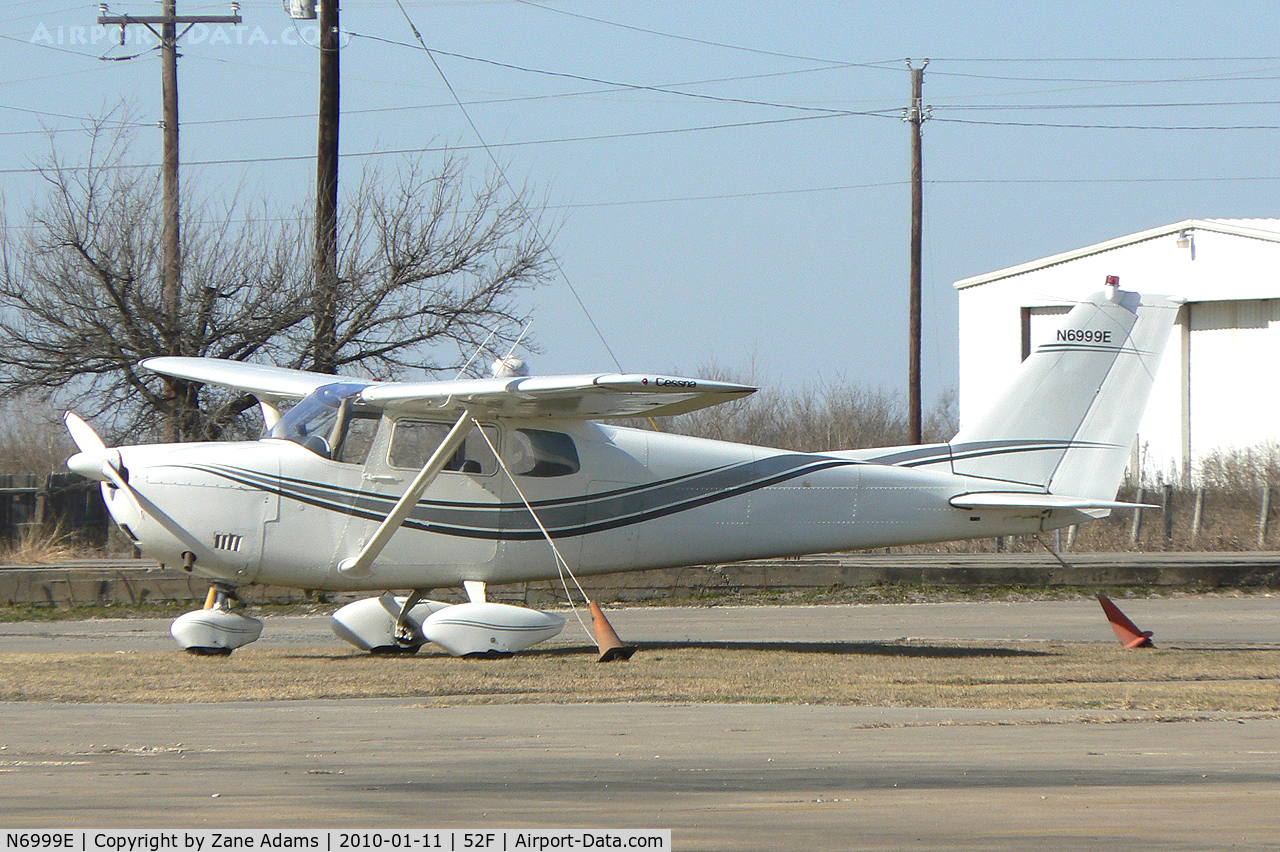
(768, 193)
(402, 82)
(1165, 105)
(506, 100)
(1081, 126)
(727, 196)
(1041, 181)
(515, 195)
(839, 63)
(44, 46)
(1105, 59)
(734, 196)
(585, 79)
(43, 77)
(77, 8)
(46, 114)
(1231, 76)
(171, 237)
(287, 158)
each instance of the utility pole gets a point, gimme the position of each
(915, 115)
(325, 296)
(171, 271)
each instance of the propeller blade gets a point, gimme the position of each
(82, 433)
(111, 472)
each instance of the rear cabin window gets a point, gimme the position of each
(538, 452)
(414, 441)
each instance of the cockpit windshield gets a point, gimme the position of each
(322, 421)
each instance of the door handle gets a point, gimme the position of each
(381, 477)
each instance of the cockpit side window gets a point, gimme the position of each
(538, 452)
(331, 424)
(414, 441)
(362, 428)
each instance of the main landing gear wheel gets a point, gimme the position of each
(387, 626)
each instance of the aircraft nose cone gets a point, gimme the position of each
(88, 464)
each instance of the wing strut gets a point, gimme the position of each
(359, 565)
(611, 647)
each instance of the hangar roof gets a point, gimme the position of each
(1257, 229)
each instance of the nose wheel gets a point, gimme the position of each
(215, 630)
(220, 597)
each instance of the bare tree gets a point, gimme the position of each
(32, 438)
(428, 258)
(832, 415)
(430, 263)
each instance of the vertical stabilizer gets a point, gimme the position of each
(1068, 421)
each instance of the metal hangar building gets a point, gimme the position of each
(1215, 389)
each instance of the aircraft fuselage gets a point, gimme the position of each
(612, 499)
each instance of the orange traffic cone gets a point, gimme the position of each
(1126, 631)
(611, 647)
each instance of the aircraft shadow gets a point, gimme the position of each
(880, 649)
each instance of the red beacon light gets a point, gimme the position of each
(1113, 287)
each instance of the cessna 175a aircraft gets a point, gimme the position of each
(375, 486)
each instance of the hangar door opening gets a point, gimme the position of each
(1039, 325)
(1234, 346)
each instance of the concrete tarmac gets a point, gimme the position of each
(721, 777)
(1194, 620)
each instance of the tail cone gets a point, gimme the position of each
(611, 647)
(1126, 631)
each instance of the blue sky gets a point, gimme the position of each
(732, 177)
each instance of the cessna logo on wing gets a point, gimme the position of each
(1083, 335)
(671, 383)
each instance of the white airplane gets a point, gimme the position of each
(376, 486)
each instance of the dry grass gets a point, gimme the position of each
(41, 548)
(1023, 675)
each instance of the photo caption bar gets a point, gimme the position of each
(334, 840)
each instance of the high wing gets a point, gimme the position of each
(587, 397)
(261, 380)
(591, 396)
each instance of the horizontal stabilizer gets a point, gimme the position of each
(1030, 500)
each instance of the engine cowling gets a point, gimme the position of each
(489, 629)
(370, 624)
